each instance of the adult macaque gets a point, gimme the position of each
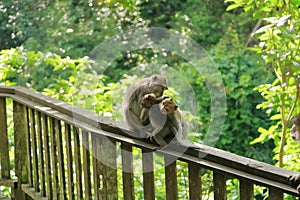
(295, 130)
(295, 181)
(132, 108)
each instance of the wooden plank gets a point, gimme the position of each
(13, 183)
(48, 176)
(78, 166)
(7, 89)
(246, 190)
(195, 189)
(60, 154)
(86, 165)
(171, 178)
(69, 161)
(29, 151)
(20, 132)
(4, 148)
(32, 193)
(127, 171)
(220, 192)
(96, 170)
(109, 166)
(41, 155)
(148, 175)
(34, 151)
(275, 194)
(54, 159)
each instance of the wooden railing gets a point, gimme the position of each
(64, 152)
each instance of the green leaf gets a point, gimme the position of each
(233, 6)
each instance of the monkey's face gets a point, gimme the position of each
(148, 100)
(158, 90)
(295, 133)
(169, 106)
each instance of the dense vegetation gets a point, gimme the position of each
(254, 44)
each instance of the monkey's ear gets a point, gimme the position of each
(154, 77)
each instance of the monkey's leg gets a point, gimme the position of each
(133, 122)
(159, 140)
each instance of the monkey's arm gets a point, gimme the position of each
(160, 99)
(185, 130)
(144, 117)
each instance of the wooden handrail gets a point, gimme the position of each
(219, 161)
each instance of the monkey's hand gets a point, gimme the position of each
(294, 180)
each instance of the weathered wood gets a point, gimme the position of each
(29, 149)
(275, 194)
(195, 190)
(41, 155)
(86, 165)
(32, 193)
(20, 132)
(54, 161)
(148, 175)
(78, 165)
(108, 154)
(34, 151)
(220, 192)
(171, 178)
(69, 161)
(96, 168)
(246, 190)
(4, 149)
(48, 176)
(12, 183)
(60, 154)
(127, 171)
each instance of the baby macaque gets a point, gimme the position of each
(295, 130)
(166, 121)
(147, 102)
(176, 117)
(132, 107)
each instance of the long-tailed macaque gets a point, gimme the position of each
(295, 181)
(176, 118)
(167, 121)
(132, 108)
(295, 130)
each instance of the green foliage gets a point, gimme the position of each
(241, 75)
(279, 47)
(52, 33)
(68, 28)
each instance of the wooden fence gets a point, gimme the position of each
(64, 152)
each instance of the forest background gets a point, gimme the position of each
(254, 44)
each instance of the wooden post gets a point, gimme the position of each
(195, 190)
(219, 187)
(127, 167)
(4, 151)
(148, 175)
(246, 190)
(171, 178)
(20, 135)
(275, 194)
